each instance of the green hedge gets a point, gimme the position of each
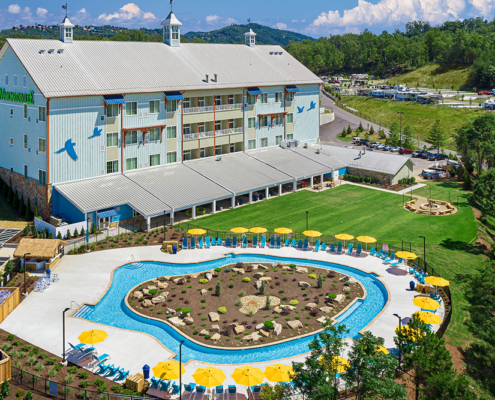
(360, 179)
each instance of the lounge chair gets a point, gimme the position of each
(234, 241)
(359, 250)
(323, 246)
(373, 251)
(349, 249)
(232, 391)
(77, 347)
(263, 242)
(413, 269)
(395, 264)
(339, 248)
(317, 246)
(287, 242)
(219, 242)
(184, 242)
(306, 244)
(332, 248)
(255, 242)
(379, 254)
(300, 244)
(255, 392)
(218, 392)
(123, 374)
(272, 242)
(189, 387)
(97, 360)
(384, 256)
(200, 243)
(294, 243)
(207, 242)
(201, 393)
(278, 245)
(193, 242)
(227, 242)
(390, 259)
(155, 382)
(244, 242)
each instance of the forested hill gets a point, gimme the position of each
(458, 42)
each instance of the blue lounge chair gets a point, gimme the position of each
(317, 246)
(272, 242)
(359, 250)
(77, 347)
(306, 244)
(390, 259)
(339, 248)
(200, 243)
(323, 246)
(219, 242)
(219, 391)
(300, 244)
(207, 242)
(155, 383)
(349, 249)
(123, 374)
(397, 263)
(263, 242)
(193, 242)
(164, 385)
(413, 269)
(200, 389)
(244, 242)
(255, 392)
(184, 242)
(379, 254)
(332, 248)
(103, 368)
(384, 255)
(255, 242)
(294, 243)
(234, 241)
(99, 360)
(278, 245)
(241, 202)
(287, 242)
(227, 242)
(372, 251)
(232, 390)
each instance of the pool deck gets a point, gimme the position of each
(85, 278)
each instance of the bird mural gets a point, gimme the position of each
(69, 148)
(96, 133)
(300, 109)
(312, 106)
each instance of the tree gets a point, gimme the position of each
(59, 235)
(5, 189)
(93, 228)
(50, 235)
(15, 202)
(344, 132)
(263, 287)
(10, 195)
(27, 229)
(35, 232)
(83, 232)
(5, 389)
(436, 137)
(76, 233)
(22, 208)
(28, 215)
(268, 302)
(68, 235)
(484, 192)
(28, 396)
(360, 127)
(315, 378)
(349, 130)
(320, 281)
(36, 210)
(393, 135)
(371, 371)
(218, 289)
(408, 137)
(9, 267)
(278, 392)
(372, 130)
(467, 182)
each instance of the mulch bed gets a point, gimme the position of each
(283, 286)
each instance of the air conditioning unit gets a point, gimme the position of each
(55, 221)
(291, 143)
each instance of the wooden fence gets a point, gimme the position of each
(10, 302)
(5, 371)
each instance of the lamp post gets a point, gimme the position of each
(307, 216)
(164, 223)
(180, 369)
(400, 328)
(400, 127)
(64, 361)
(25, 290)
(424, 251)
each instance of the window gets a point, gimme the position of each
(201, 127)
(290, 136)
(172, 106)
(112, 110)
(68, 32)
(187, 129)
(6, 80)
(112, 139)
(231, 99)
(289, 97)
(218, 125)
(42, 177)
(252, 122)
(166, 34)
(11, 142)
(171, 132)
(131, 108)
(232, 148)
(25, 141)
(42, 114)
(131, 138)
(201, 101)
(279, 119)
(131, 163)
(24, 81)
(263, 122)
(112, 166)
(155, 135)
(11, 113)
(41, 146)
(218, 150)
(231, 124)
(251, 99)
(290, 118)
(15, 80)
(202, 153)
(187, 102)
(264, 142)
(175, 32)
(25, 171)
(25, 110)
(251, 144)
(264, 98)
(154, 106)
(218, 100)
(279, 96)
(154, 160)
(278, 140)
(187, 155)
(171, 157)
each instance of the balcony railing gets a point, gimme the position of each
(226, 107)
(202, 135)
(205, 109)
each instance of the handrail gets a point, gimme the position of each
(220, 107)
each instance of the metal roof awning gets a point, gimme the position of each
(254, 91)
(173, 96)
(107, 213)
(292, 89)
(114, 99)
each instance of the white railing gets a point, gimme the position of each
(228, 131)
(192, 136)
(226, 107)
(195, 110)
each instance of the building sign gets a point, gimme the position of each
(17, 97)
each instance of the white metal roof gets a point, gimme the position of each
(66, 23)
(111, 191)
(316, 154)
(171, 20)
(108, 67)
(289, 162)
(239, 172)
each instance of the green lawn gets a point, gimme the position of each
(421, 117)
(362, 211)
(7, 212)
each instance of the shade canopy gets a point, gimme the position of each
(174, 96)
(168, 370)
(253, 91)
(239, 230)
(292, 89)
(437, 281)
(382, 348)
(283, 231)
(196, 231)
(209, 376)
(428, 317)
(344, 236)
(312, 233)
(111, 212)
(279, 373)
(258, 229)
(338, 364)
(426, 302)
(93, 336)
(114, 99)
(406, 255)
(365, 239)
(248, 376)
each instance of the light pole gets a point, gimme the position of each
(400, 127)
(64, 361)
(25, 290)
(164, 224)
(180, 369)
(307, 216)
(424, 251)
(400, 328)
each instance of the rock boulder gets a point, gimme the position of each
(304, 284)
(214, 317)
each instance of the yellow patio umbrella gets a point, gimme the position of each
(428, 317)
(382, 349)
(437, 281)
(196, 231)
(366, 239)
(406, 255)
(209, 376)
(168, 370)
(279, 373)
(312, 234)
(93, 336)
(283, 231)
(408, 332)
(248, 376)
(426, 303)
(239, 230)
(344, 237)
(258, 229)
(340, 364)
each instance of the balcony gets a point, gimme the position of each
(207, 109)
(230, 131)
(202, 135)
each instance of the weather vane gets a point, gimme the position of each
(65, 8)
(171, 5)
(249, 22)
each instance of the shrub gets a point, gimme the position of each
(218, 269)
(82, 375)
(203, 281)
(227, 269)
(207, 337)
(218, 289)
(153, 292)
(246, 279)
(5, 389)
(186, 310)
(69, 379)
(293, 302)
(19, 393)
(98, 382)
(84, 383)
(51, 361)
(39, 367)
(312, 276)
(231, 286)
(31, 361)
(195, 332)
(203, 301)
(269, 324)
(242, 293)
(332, 295)
(222, 310)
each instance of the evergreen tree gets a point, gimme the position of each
(28, 215)
(22, 207)
(467, 182)
(27, 229)
(76, 232)
(68, 235)
(50, 235)
(93, 229)
(349, 130)
(35, 232)
(263, 287)
(408, 137)
(10, 195)
(218, 289)
(320, 281)
(83, 232)
(372, 130)
(5, 389)
(360, 127)
(436, 137)
(393, 135)
(59, 235)
(5, 189)
(15, 202)
(36, 210)
(268, 301)
(344, 132)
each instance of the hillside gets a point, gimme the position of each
(438, 76)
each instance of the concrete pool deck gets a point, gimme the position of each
(85, 279)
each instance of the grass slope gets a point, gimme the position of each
(362, 211)
(420, 117)
(439, 76)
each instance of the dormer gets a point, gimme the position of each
(250, 38)
(66, 31)
(171, 30)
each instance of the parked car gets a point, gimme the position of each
(387, 148)
(442, 156)
(486, 92)
(365, 141)
(405, 151)
(394, 149)
(380, 147)
(417, 154)
(425, 155)
(432, 157)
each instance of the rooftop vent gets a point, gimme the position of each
(271, 53)
(317, 151)
(60, 51)
(41, 51)
(51, 51)
(305, 145)
(216, 78)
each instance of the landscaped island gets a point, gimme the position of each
(246, 304)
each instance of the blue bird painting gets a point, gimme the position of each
(312, 106)
(69, 148)
(300, 109)
(96, 133)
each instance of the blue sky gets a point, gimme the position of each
(314, 17)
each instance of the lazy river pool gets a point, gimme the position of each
(111, 309)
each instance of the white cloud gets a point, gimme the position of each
(41, 12)
(82, 11)
(14, 9)
(129, 12)
(212, 19)
(295, 21)
(230, 21)
(484, 7)
(280, 25)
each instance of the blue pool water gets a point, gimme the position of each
(111, 309)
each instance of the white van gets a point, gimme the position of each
(356, 140)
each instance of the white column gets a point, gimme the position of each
(250, 197)
(321, 179)
(311, 182)
(148, 223)
(233, 201)
(214, 206)
(280, 190)
(194, 212)
(266, 193)
(295, 186)
(172, 217)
